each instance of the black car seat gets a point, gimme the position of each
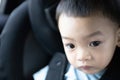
(3, 19)
(11, 48)
(7, 7)
(29, 40)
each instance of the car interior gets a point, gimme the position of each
(29, 38)
(6, 7)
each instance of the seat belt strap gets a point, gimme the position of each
(57, 67)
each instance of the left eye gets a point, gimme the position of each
(95, 43)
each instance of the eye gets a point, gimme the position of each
(70, 46)
(95, 43)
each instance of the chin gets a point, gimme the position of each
(90, 71)
(87, 72)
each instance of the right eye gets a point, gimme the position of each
(70, 46)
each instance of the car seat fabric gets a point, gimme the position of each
(12, 40)
(42, 17)
(35, 57)
(3, 19)
(20, 53)
(28, 41)
(43, 26)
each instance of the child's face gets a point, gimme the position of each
(89, 42)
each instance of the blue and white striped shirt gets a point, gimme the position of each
(71, 74)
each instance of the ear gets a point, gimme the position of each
(118, 37)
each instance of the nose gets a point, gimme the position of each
(83, 55)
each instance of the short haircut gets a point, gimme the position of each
(86, 8)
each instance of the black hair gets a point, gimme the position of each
(84, 8)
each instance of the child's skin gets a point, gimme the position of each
(89, 42)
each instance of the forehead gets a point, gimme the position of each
(89, 23)
(84, 25)
(93, 19)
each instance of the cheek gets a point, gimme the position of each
(103, 61)
(104, 55)
(109, 49)
(71, 58)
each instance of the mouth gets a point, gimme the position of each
(86, 68)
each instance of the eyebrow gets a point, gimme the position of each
(94, 34)
(88, 36)
(66, 38)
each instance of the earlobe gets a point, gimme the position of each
(118, 44)
(118, 37)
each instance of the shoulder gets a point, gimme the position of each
(41, 74)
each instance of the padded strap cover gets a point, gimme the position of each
(57, 67)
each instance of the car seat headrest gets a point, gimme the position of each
(12, 41)
(42, 17)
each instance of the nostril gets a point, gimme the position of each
(84, 57)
